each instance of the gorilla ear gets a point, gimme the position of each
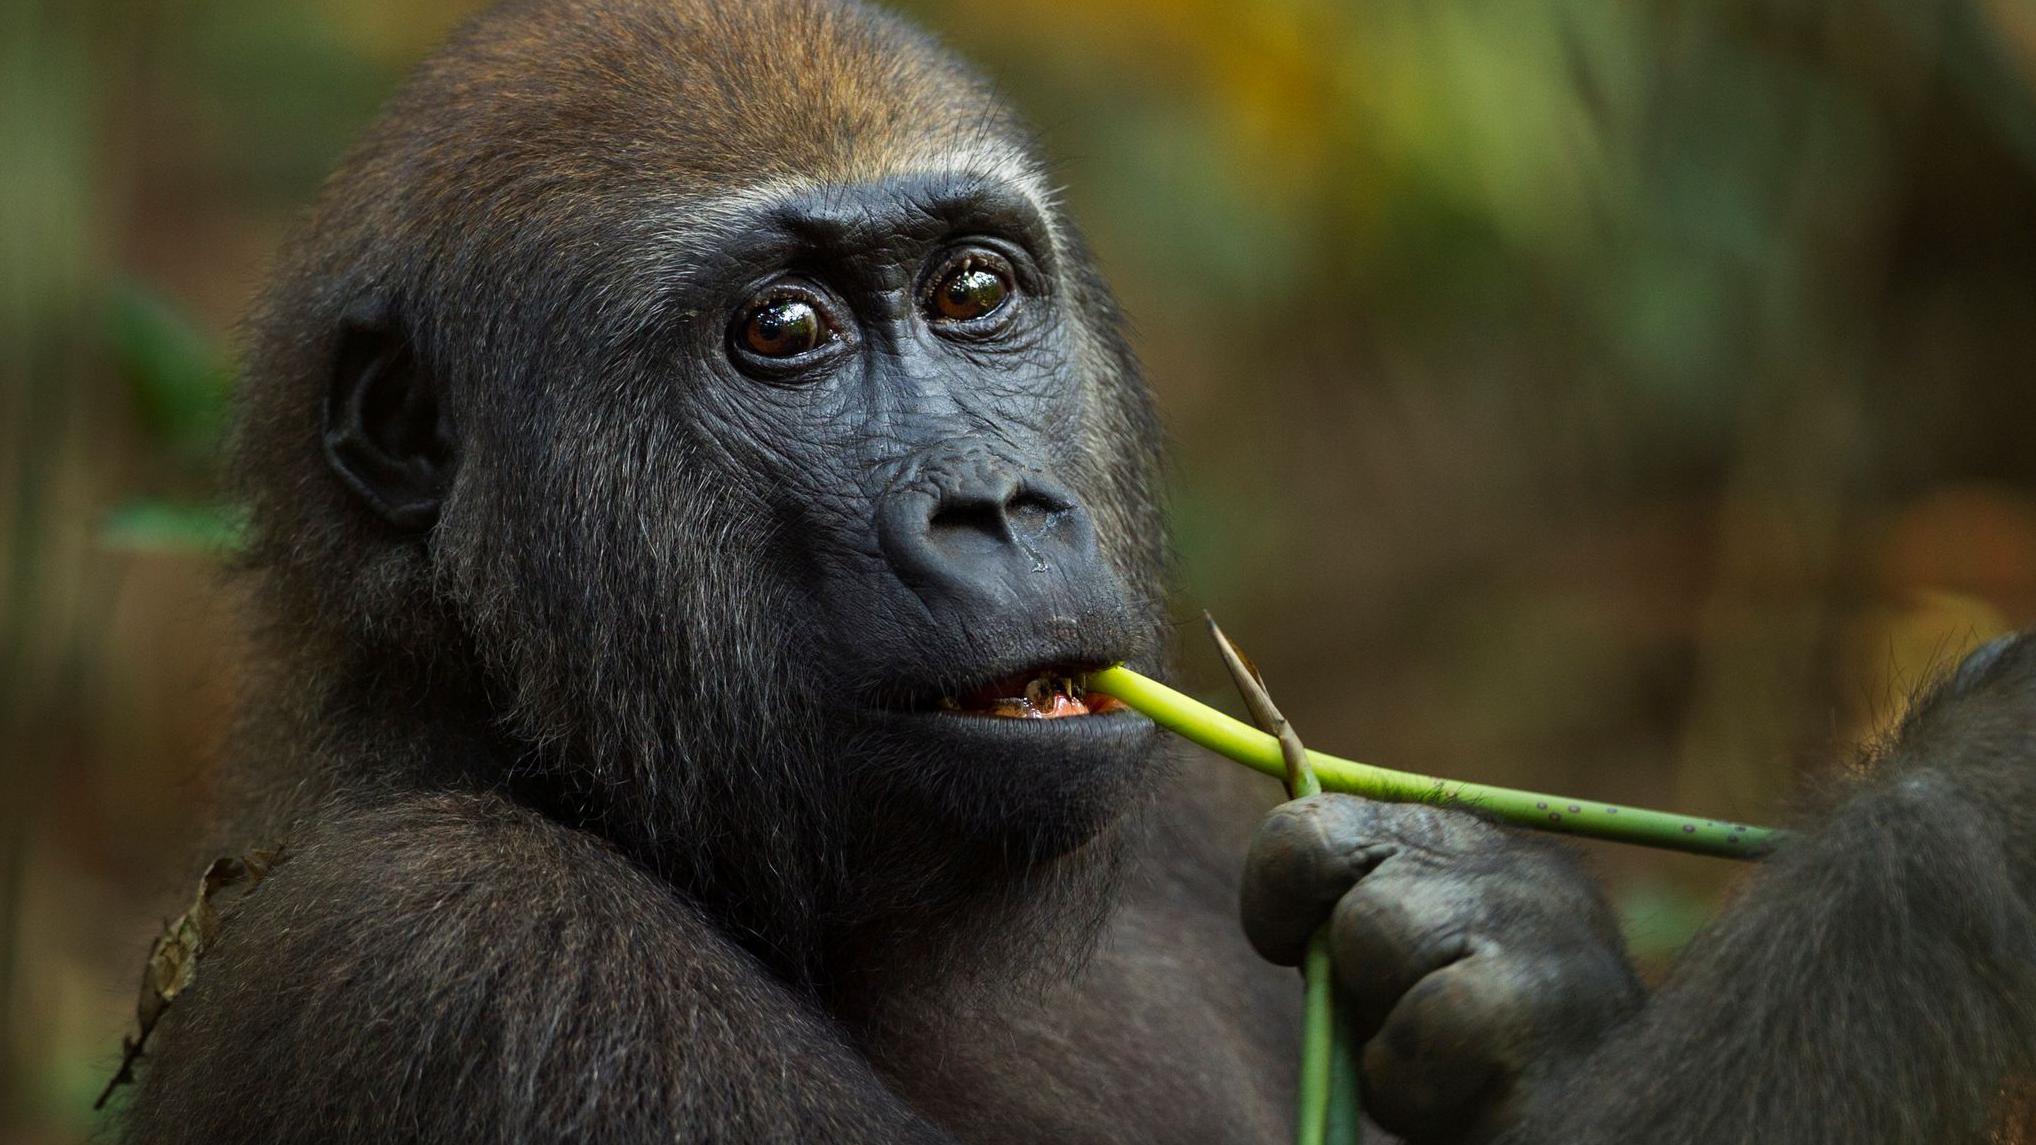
(387, 434)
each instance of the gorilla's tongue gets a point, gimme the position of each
(1033, 696)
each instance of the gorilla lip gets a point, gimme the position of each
(1045, 694)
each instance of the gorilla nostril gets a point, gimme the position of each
(978, 516)
(1024, 512)
(1030, 512)
(978, 531)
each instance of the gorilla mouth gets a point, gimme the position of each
(1054, 693)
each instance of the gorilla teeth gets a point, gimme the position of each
(1042, 690)
(1048, 695)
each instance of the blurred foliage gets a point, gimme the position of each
(157, 527)
(1619, 396)
(181, 385)
(179, 380)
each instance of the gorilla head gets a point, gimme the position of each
(703, 419)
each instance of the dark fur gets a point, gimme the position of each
(1876, 980)
(580, 848)
(528, 182)
(576, 852)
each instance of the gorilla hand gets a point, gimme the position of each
(1477, 965)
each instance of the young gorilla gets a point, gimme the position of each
(680, 436)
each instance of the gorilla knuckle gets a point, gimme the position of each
(1347, 825)
(1414, 924)
(1322, 835)
(1477, 1009)
(1451, 1048)
(1304, 857)
(1464, 969)
(1406, 888)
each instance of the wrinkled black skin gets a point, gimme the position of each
(1477, 966)
(592, 654)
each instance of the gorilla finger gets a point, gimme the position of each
(1303, 857)
(1393, 930)
(1448, 1055)
(1309, 851)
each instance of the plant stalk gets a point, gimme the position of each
(1319, 1028)
(1245, 744)
(1328, 1106)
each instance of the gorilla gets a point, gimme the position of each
(693, 463)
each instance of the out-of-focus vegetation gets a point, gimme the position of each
(1629, 397)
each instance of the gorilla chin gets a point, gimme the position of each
(1033, 789)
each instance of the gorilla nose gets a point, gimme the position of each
(983, 532)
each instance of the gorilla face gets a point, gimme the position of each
(776, 457)
(892, 372)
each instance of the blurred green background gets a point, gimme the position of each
(1624, 397)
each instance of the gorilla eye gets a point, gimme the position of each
(783, 328)
(976, 287)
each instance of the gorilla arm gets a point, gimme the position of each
(1875, 982)
(452, 968)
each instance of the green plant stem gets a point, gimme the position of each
(1346, 1126)
(1247, 745)
(1318, 1042)
(1328, 1112)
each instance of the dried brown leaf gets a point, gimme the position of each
(173, 957)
